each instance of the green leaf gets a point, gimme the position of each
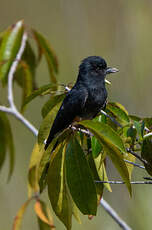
(129, 135)
(2, 142)
(95, 144)
(107, 134)
(45, 159)
(100, 167)
(140, 128)
(49, 54)
(46, 125)
(57, 187)
(135, 118)
(8, 141)
(79, 179)
(33, 177)
(130, 167)
(9, 48)
(113, 146)
(99, 186)
(148, 122)
(49, 105)
(24, 77)
(146, 153)
(38, 92)
(29, 58)
(119, 112)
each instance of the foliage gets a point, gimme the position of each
(70, 170)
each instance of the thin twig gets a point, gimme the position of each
(136, 155)
(148, 135)
(114, 215)
(87, 132)
(13, 70)
(122, 182)
(111, 118)
(135, 164)
(148, 178)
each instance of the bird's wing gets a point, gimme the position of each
(72, 106)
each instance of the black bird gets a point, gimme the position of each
(86, 98)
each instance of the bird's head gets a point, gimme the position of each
(95, 67)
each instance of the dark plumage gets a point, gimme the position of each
(86, 98)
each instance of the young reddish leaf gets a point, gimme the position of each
(113, 146)
(9, 48)
(19, 216)
(119, 112)
(44, 214)
(49, 54)
(57, 187)
(79, 179)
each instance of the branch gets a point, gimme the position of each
(114, 215)
(111, 118)
(12, 109)
(135, 164)
(13, 70)
(148, 135)
(121, 182)
(137, 156)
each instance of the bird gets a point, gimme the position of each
(87, 97)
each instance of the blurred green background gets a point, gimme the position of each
(121, 32)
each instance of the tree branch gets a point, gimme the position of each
(114, 215)
(136, 155)
(12, 109)
(135, 164)
(111, 118)
(122, 182)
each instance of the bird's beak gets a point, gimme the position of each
(108, 71)
(111, 70)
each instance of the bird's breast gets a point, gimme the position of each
(95, 102)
